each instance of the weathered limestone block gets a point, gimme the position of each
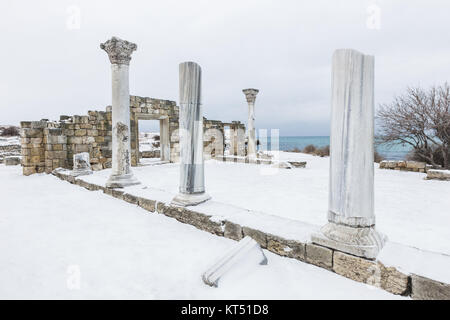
(28, 170)
(257, 235)
(415, 165)
(286, 248)
(370, 272)
(130, 198)
(162, 207)
(319, 256)
(427, 289)
(282, 165)
(12, 161)
(298, 164)
(113, 192)
(147, 204)
(233, 231)
(199, 220)
(438, 174)
(401, 164)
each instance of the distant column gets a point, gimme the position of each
(351, 216)
(119, 52)
(250, 95)
(192, 179)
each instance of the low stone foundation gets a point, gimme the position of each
(362, 270)
(8, 151)
(405, 165)
(434, 174)
(150, 154)
(266, 161)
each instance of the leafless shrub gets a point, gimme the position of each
(296, 150)
(9, 132)
(420, 119)
(377, 157)
(310, 149)
(156, 137)
(323, 151)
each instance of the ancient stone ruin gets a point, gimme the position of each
(47, 145)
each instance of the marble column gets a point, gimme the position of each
(351, 217)
(119, 52)
(192, 179)
(250, 95)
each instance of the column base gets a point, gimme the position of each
(121, 181)
(190, 199)
(363, 242)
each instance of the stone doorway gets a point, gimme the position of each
(153, 142)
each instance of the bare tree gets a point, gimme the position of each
(420, 119)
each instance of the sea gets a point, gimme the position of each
(388, 152)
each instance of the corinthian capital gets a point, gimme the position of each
(119, 51)
(250, 95)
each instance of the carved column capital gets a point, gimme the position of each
(250, 95)
(119, 51)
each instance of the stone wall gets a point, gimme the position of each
(9, 150)
(405, 165)
(47, 145)
(433, 174)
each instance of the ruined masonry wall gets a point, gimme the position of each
(47, 145)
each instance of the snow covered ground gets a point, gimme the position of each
(52, 231)
(409, 210)
(147, 141)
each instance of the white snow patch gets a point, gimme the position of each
(49, 227)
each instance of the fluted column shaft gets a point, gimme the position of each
(351, 226)
(192, 179)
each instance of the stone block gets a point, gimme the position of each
(198, 220)
(286, 248)
(12, 161)
(80, 132)
(97, 167)
(319, 256)
(161, 207)
(371, 272)
(130, 198)
(415, 165)
(147, 204)
(117, 194)
(28, 170)
(233, 231)
(257, 235)
(428, 289)
(438, 174)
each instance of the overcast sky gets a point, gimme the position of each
(51, 67)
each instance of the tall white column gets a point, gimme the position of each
(351, 226)
(192, 179)
(250, 95)
(119, 53)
